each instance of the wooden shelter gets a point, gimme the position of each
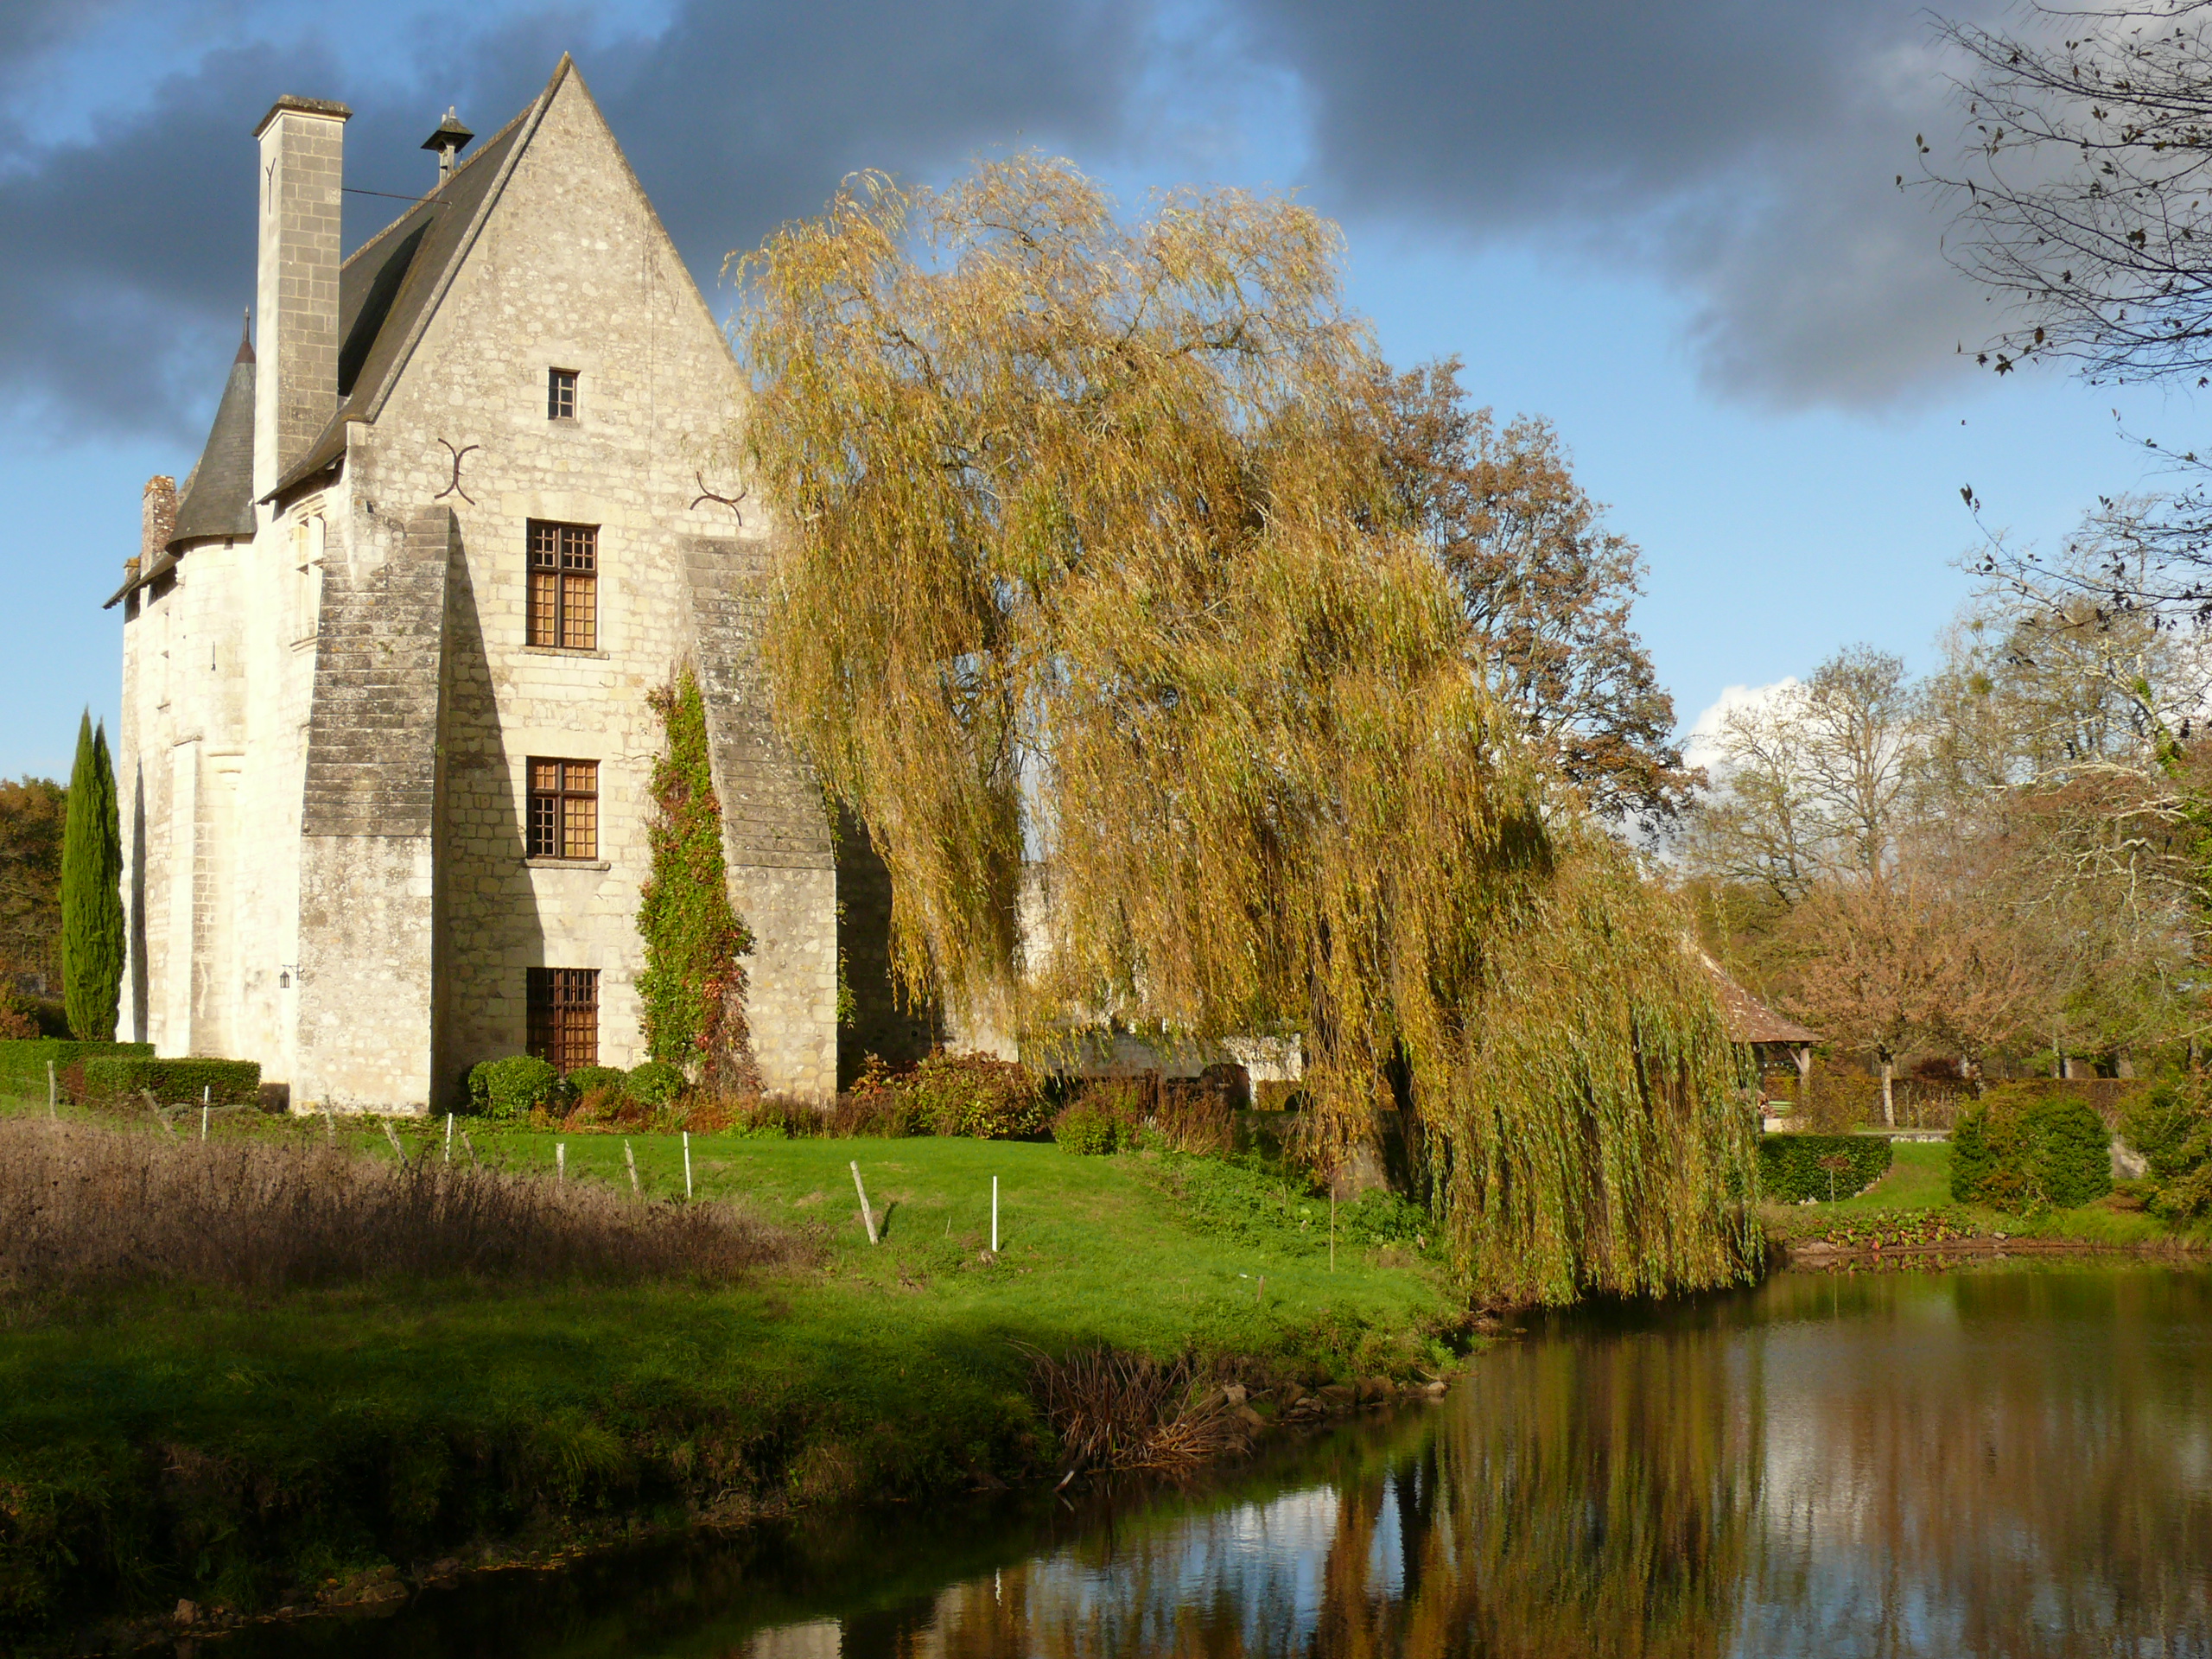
(1752, 1024)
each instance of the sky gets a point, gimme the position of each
(1673, 231)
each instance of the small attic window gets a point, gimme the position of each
(559, 394)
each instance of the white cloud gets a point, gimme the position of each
(1702, 746)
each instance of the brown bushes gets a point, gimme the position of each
(82, 1206)
(1115, 1410)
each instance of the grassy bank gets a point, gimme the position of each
(168, 1441)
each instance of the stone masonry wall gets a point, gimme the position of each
(367, 883)
(775, 835)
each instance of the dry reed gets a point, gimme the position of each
(1116, 1410)
(84, 1206)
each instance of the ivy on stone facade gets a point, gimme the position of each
(693, 985)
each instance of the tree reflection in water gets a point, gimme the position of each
(2012, 1464)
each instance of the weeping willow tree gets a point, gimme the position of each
(1092, 600)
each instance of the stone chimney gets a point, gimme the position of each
(157, 518)
(296, 391)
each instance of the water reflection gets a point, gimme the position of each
(1991, 1463)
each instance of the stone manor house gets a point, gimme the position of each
(385, 741)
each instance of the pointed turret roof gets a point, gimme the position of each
(217, 497)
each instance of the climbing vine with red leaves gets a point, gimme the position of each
(693, 985)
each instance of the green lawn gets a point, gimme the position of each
(172, 1441)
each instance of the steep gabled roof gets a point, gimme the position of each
(388, 289)
(1749, 1019)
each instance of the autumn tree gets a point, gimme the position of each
(1548, 590)
(1904, 960)
(2061, 755)
(1088, 554)
(31, 812)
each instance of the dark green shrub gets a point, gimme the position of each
(514, 1087)
(2024, 1147)
(2171, 1127)
(23, 1064)
(1383, 1217)
(655, 1083)
(1093, 1127)
(116, 1081)
(583, 1079)
(1791, 1170)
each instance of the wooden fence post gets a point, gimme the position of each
(868, 1215)
(631, 1159)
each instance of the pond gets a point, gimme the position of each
(2003, 1462)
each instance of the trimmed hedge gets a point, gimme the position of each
(119, 1080)
(1791, 1165)
(513, 1087)
(23, 1061)
(2025, 1147)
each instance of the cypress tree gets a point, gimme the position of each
(92, 892)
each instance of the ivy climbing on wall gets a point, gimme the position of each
(693, 985)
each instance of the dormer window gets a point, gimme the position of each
(559, 394)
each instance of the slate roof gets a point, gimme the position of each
(217, 497)
(1749, 1019)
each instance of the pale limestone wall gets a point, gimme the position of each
(367, 1022)
(573, 271)
(208, 768)
(365, 927)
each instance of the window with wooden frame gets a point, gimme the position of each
(564, 1016)
(559, 394)
(564, 586)
(563, 809)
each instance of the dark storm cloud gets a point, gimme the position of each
(130, 255)
(1742, 151)
(127, 256)
(740, 118)
(1746, 149)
